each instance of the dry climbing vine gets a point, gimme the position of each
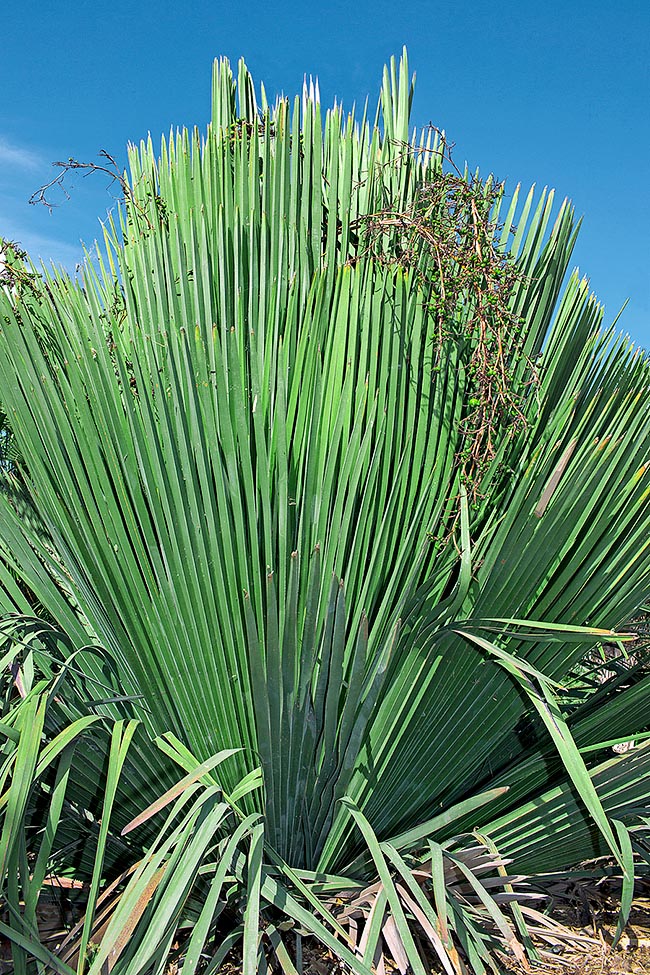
(107, 167)
(448, 237)
(14, 270)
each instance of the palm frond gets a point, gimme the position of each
(324, 471)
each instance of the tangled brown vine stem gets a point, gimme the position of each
(13, 269)
(108, 167)
(448, 238)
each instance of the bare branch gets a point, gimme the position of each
(109, 167)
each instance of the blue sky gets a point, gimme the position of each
(555, 94)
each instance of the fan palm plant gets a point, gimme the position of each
(331, 487)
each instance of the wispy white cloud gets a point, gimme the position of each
(42, 247)
(17, 157)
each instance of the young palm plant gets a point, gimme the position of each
(328, 488)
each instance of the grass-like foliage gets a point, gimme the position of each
(325, 487)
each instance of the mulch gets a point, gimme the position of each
(592, 917)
